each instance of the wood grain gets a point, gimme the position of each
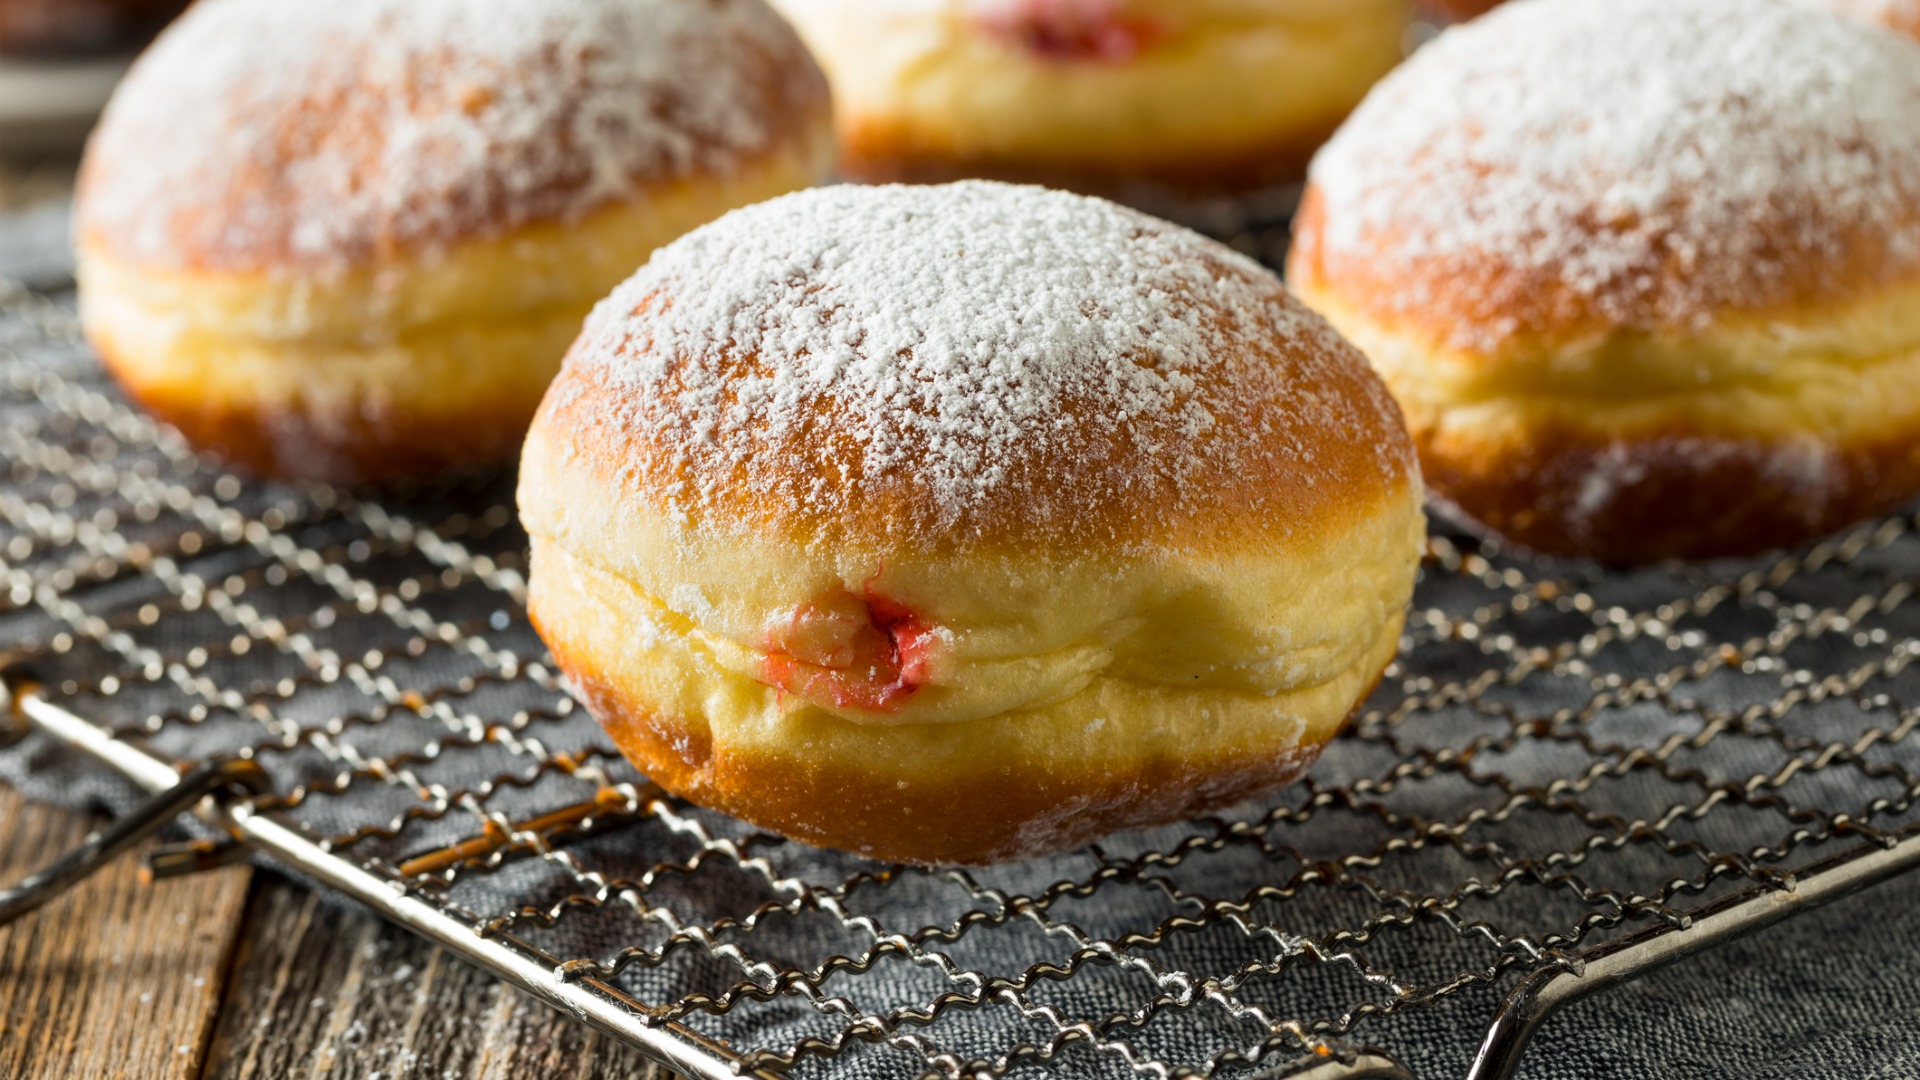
(115, 979)
(244, 975)
(321, 990)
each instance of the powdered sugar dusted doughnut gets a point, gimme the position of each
(351, 238)
(865, 504)
(1138, 97)
(1644, 274)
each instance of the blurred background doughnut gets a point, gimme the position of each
(1196, 97)
(66, 27)
(1639, 298)
(349, 240)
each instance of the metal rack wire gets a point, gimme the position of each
(1569, 778)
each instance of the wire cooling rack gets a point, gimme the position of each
(1569, 778)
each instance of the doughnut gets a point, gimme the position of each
(1639, 299)
(42, 27)
(350, 240)
(1116, 97)
(965, 523)
(1902, 16)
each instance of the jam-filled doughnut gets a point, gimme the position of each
(350, 239)
(1127, 97)
(965, 523)
(1639, 297)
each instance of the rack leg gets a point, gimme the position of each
(126, 832)
(1551, 988)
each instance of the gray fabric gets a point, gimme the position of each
(1828, 994)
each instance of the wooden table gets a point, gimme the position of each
(240, 973)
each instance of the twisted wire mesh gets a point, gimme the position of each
(1561, 756)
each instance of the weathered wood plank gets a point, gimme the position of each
(321, 990)
(525, 1038)
(289, 977)
(115, 979)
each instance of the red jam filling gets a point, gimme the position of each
(1071, 30)
(864, 652)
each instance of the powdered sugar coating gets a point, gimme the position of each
(327, 132)
(975, 363)
(1629, 163)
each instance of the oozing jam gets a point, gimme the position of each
(1070, 30)
(857, 651)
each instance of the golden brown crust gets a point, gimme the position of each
(1723, 440)
(836, 802)
(342, 448)
(1541, 304)
(883, 153)
(1673, 494)
(1257, 498)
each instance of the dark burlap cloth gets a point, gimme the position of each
(1499, 793)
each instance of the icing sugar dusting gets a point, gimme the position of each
(1655, 161)
(256, 131)
(945, 354)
